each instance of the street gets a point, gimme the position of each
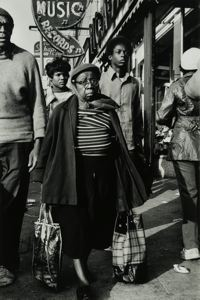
(162, 219)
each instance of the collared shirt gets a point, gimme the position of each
(53, 98)
(125, 92)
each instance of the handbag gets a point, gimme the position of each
(129, 249)
(47, 249)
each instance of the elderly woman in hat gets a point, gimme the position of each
(87, 173)
(183, 114)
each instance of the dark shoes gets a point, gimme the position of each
(83, 293)
(6, 277)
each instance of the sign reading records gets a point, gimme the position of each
(51, 16)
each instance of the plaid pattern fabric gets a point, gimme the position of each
(129, 247)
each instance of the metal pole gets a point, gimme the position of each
(41, 55)
(182, 29)
(149, 97)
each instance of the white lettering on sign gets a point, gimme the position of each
(77, 8)
(59, 9)
(41, 8)
(51, 16)
(57, 39)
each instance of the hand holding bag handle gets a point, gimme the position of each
(47, 250)
(45, 212)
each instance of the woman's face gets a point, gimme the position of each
(86, 85)
(59, 80)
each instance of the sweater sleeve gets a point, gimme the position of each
(37, 101)
(38, 172)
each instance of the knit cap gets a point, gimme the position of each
(5, 14)
(190, 58)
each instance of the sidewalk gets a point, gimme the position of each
(162, 219)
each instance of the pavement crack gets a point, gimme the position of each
(165, 288)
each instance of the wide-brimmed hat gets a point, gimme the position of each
(83, 68)
(190, 58)
(5, 14)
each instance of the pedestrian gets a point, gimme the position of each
(58, 74)
(118, 84)
(182, 113)
(86, 171)
(22, 126)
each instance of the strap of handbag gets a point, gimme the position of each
(45, 214)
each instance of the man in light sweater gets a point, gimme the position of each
(22, 126)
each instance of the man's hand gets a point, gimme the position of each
(33, 156)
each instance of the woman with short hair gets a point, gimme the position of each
(57, 71)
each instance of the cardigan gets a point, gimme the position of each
(56, 167)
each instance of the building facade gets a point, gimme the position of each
(159, 31)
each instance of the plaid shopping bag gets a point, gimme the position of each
(129, 248)
(47, 249)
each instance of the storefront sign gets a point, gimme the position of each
(48, 51)
(98, 28)
(91, 38)
(52, 16)
(101, 23)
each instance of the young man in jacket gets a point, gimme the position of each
(119, 85)
(22, 126)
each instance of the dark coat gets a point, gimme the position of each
(56, 166)
(183, 114)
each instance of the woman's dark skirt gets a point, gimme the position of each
(89, 225)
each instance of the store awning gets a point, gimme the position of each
(125, 14)
(130, 8)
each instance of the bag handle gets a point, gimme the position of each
(45, 213)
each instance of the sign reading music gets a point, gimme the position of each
(52, 15)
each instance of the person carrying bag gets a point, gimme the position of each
(47, 249)
(129, 248)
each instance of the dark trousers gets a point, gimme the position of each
(14, 182)
(188, 177)
(89, 225)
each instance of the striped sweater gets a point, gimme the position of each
(94, 133)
